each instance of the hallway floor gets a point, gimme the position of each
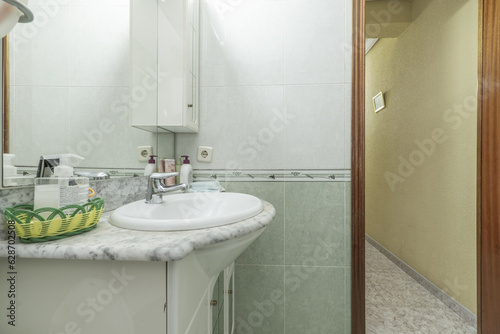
(395, 303)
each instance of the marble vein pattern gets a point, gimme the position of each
(397, 304)
(14, 196)
(107, 242)
(120, 191)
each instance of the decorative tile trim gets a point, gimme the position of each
(455, 306)
(270, 175)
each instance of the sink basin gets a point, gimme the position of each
(187, 211)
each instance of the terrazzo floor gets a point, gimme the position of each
(395, 303)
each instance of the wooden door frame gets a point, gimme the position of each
(488, 170)
(358, 170)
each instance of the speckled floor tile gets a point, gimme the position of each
(395, 303)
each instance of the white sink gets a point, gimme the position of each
(188, 211)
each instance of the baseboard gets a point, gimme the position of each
(455, 306)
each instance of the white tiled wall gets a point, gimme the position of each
(70, 82)
(275, 85)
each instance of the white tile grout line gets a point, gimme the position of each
(463, 312)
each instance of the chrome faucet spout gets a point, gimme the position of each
(157, 187)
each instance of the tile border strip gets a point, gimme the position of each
(271, 175)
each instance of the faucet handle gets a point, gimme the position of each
(163, 175)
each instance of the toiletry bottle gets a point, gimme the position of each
(72, 190)
(170, 168)
(62, 189)
(151, 166)
(47, 194)
(186, 171)
(161, 166)
(178, 166)
(9, 170)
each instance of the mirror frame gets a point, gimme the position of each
(4, 121)
(5, 95)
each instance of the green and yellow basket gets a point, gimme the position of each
(31, 226)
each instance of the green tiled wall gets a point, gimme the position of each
(295, 278)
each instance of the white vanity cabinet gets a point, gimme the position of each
(118, 281)
(84, 296)
(113, 297)
(169, 30)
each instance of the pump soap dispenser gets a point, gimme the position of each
(64, 188)
(9, 170)
(73, 190)
(186, 171)
(151, 166)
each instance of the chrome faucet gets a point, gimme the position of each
(157, 187)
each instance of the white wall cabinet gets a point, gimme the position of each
(174, 105)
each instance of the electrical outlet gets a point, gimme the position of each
(205, 154)
(143, 153)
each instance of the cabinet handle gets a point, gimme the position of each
(229, 292)
(213, 303)
(190, 105)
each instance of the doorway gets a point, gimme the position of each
(487, 197)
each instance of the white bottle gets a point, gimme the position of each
(9, 170)
(151, 166)
(186, 171)
(72, 190)
(63, 189)
(47, 194)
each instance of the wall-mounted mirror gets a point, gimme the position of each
(69, 87)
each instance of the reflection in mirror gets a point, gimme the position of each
(68, 90)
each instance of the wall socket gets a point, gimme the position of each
(205, 154)
(143, 153)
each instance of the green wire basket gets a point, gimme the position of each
(31, 227)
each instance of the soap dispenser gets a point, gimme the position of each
(186, 171)
(151, 166)
(9, 170)
(72, 190)
(64, 169)
(178, 166)
(62, 189)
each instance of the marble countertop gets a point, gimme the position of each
(107, 242)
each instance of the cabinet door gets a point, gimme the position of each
(215, 308)
(217, 304)
(144, 64)
(223, 302)
(229, 299)
(78, 296)
(178, 59)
